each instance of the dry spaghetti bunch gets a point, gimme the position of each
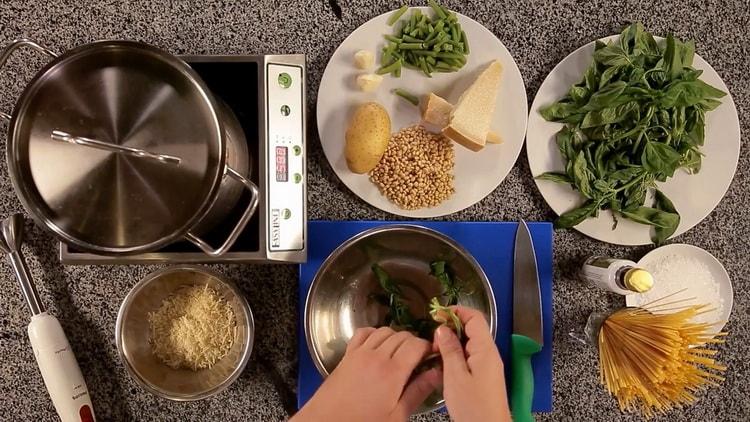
(653, 360)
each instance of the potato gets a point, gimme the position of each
(367, 137)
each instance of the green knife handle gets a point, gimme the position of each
(522, 376)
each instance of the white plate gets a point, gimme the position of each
(477, 174)
(717, 270)
(694, 196)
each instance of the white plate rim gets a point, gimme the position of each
(607, 236)
(725, 281)
(382, 202)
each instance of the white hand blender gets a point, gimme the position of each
(55, 358)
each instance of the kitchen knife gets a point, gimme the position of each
(527, 338)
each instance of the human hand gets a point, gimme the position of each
(372, 381)
(473, 380)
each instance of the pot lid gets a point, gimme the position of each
(117, 147)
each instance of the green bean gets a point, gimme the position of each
(451, 56)
(389, 68)
(441, 65)
(407, 96)
(465, 41)
(437, 8)
(393, 39)
(411, 46)
(424, 40)
(423, 53)
(455, 35)
(423, 65)
(395, 16)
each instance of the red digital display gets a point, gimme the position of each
(282, 161)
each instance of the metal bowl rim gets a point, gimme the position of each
(247, 351)
(376, 230)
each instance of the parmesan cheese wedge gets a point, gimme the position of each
(471, 117)
(436, 112)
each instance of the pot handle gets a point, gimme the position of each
(13, 46)
(60, 136)
(237, 230)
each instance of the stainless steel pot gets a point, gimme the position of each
(119, 148)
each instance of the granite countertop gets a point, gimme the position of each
(538, 34)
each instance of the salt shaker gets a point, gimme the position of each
(620, 276)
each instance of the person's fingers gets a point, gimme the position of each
(378, 337)
(409, 354)
(475, 326)
(392, 343)
(417, 391)
(359, 337)
(454, 360)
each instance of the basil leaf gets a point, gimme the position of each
(651, 216)
(605, 96)
(609, 74)
(557, 177)
(670, 217)
(672, 58)
(687, 52)
(625, 175)
(612, 55)
(689, 93)
(660, 158)
(695, 127)
(566, 143)
(575, 216)
(582, 176)
(558, 111)
(609, 115)
(579, 94)
(692, 161)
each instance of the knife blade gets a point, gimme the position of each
(527, 338)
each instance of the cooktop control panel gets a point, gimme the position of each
(286, 157)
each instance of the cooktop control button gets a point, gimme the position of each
(285, 110)
(297, 150)
(285, 81)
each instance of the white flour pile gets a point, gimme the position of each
(673, 273)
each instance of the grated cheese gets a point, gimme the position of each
(194, 328)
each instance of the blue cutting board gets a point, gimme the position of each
(491, 244)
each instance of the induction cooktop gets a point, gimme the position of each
(267, 94)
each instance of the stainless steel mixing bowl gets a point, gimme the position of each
(340, 297)
(132, 334)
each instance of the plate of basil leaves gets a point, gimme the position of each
(633, 139)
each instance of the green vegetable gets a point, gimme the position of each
(636, 118)
(395, 16)
(407, 96)
(399, 315)
(445, 316)
(389, 68)
(419, 35)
